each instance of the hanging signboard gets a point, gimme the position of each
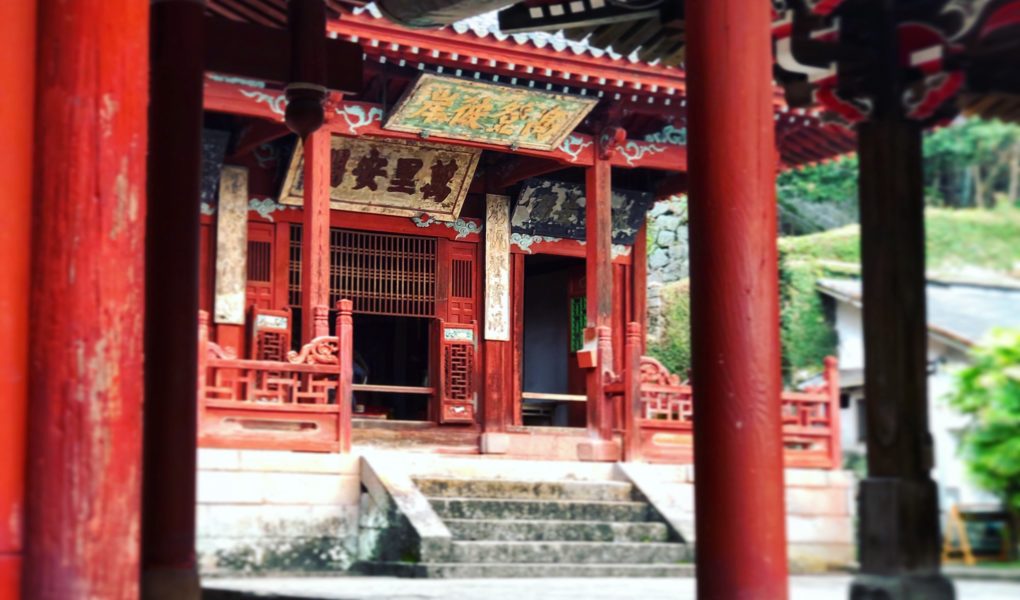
(556, 209)
(390, 177)
(487, 112)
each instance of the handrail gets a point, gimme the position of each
(310, 392)
(654, 399)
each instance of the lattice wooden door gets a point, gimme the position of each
(259, 288)
(458, 372)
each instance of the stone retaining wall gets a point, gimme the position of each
(667, 255)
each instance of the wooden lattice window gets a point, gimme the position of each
(462, 273)
(259, 261)
(459, 365)
(294, 267)
(383, 274)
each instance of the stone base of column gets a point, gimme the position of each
(902, 587)
(495, 443)
(170, 584)
(598, 451)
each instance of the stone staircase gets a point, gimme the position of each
(503, 528)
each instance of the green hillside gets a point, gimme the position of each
(956, 239)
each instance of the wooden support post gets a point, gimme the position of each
(599, 290)
(345, 395)
(315, 232)
(738, 450)
(632, 393)
(171, 300)
(899, 527)
(17, 79)
(87, 301)
(639, 279)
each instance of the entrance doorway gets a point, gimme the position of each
(553, 386)
(391, 360)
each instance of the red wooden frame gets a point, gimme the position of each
(302, 403)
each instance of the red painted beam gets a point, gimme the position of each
(738, 450)
(17, 79)
(315, 231)
(86, 386)
(477, 52)
(172, 300)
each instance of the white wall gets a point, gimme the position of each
(945, 424)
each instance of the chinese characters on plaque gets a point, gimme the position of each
(488, 112)
(391, 177)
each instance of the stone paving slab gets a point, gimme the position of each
(380, 588)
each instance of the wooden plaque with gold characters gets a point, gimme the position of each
(390, 177)
(487, 112)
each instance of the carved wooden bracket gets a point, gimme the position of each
(610, 140)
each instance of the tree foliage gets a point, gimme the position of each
(972, 163)
(989, 391)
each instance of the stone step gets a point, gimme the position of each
(496, 570)
(568, 552)
(611, 491)
(554, 510)
(571, 531)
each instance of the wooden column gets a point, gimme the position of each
(496, 347)
(599, 292)
(17, 79)
(315, 231)
(639, 277)
(738, 451)
(87, 301)
(899, 517)
(171, 300)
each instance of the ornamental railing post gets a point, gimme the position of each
(345, 353)
(832, 387)
(632, 394)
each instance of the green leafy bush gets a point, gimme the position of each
(989, 391)
(673, 349)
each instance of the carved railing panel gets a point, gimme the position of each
(298, 404)
(810, 417)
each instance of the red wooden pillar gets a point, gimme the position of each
(171, 300)
(315, 232)
(87, 301)
(738, 452)
(639, 279)
(599, 292)
(17, 78)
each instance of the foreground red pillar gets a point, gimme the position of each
(171, 301)
(738, 458)
(84, 466)
(599, 292)
(17, 78)
(315, 231)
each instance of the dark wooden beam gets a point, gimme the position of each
(518, 169)
(260, 52)
(256, 133)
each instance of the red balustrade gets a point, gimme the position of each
(664, 414)
(302, 403)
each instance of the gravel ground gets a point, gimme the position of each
(379, 588)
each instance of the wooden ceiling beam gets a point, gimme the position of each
(263, 53)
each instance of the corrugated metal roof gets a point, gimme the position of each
(967, 312)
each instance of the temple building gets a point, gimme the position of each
(311, 284)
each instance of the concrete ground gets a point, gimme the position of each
(378, 588)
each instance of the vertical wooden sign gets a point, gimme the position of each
(497, 268)
(231, 246)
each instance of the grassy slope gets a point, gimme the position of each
(955, 239)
